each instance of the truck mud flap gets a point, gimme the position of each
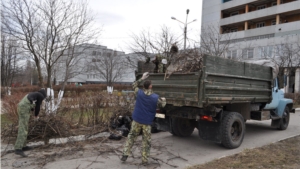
(163, 124)
(210, 131)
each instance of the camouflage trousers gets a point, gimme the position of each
(146, 140)
(24, 114)
(161, 68)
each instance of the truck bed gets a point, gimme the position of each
(221, 81)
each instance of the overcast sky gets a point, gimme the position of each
(119, 18)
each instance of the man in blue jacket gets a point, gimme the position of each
(143, 115)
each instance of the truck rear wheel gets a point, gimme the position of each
(182, 127)
(233, 130)
(284, 121)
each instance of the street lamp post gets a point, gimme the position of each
(185, 26)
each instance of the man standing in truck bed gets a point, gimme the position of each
(143, 116)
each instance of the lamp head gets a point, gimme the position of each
(187, 11)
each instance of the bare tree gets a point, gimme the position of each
(147, 43)
(9, 59)
(214, 43)
(30, 73)
(48, 28)
(73, 62)
(107, 65)
(285, 54)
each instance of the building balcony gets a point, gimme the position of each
(265, 32)
(291, 7)
(235, 3)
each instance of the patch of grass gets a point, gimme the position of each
(283, 154)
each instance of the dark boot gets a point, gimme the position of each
(20, 152)
(144, 163)
(26, 148)
(124, 158)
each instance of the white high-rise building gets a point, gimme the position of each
(258, 29)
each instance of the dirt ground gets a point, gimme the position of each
(282, 154)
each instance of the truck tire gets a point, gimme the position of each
(284, 121)
(232, 130)
(173, 128)
(154, 128)
(182, 127)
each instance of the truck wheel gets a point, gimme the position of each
(182, 127)
(284, 121)
(174, 128)
(233, 130)
(154, 128)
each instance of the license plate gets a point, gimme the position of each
(158, 115)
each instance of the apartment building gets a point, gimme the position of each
(258, 29)
(92, 63)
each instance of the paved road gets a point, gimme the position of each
(193, 149)
(196, 151)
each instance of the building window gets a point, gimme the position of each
(261, 7)
(233, 29)
(265, 51)
(95, 60)
(226, 1)
(275, 3)
(247, 53)
(261, 24)
(234, 13)
(94, 53)
(273, 22)
(232, 54)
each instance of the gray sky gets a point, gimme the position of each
(121, 17)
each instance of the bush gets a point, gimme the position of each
(294, 96)
(88, 107)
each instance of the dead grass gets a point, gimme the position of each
(283, 154)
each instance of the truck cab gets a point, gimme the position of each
(279, 107)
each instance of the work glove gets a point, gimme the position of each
(145, 76)
(164, 61)
(163, 101)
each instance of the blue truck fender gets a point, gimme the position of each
(281, 106)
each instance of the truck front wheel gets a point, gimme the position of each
(233, 130)
(284, 121)
(182, 127)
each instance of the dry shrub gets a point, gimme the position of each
(86, 114)
(293, 96)
(9, 106)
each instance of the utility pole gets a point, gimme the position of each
(185, 26)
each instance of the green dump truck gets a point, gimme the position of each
(218, 99)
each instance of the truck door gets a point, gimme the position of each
(277, 94)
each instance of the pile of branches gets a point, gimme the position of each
(48, 126)
(185, 62)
